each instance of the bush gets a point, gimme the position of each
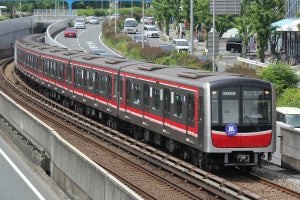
(290, 97)
(281, 75)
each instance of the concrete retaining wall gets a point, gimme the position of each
(12, 29)
(290, 148)
(76, 174)
(53, 29)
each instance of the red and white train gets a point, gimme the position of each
(211, 119)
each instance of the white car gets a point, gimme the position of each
(79, 23)
(289, 116)
(94, 20)
(181, 45)
(152, 31)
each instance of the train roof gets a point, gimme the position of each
(176, 74)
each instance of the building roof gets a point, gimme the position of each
(289, 24)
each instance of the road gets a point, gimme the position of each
(90, 38)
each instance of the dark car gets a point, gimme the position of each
(167, 47)
(234, 44)
(139, 38)
(70, 32)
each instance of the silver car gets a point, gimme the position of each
(79, 23)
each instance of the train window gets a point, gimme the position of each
(256, 105)
(230, 105)
(68, 73)
(85, 75)
(167, 102)
(146, 95)
(191, 109)
(46, 66)
(78, 77)
(178, 105)
(215, 111)
(97, 83)
(128, 90)
(156, 98)
(109, 86)
(136, 94)
(91, 80)
(102, 84)
(60, 74)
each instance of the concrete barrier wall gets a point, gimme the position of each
(77, 175)
(53, 29)
(290, 148)
(12, 29)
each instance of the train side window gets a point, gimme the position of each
(167, 101)
(178, 105)
(46, 67)
(91, 80)
(60, 71)
(109, 86)
(146, 93)
(68, 73)
(85, 76)
(102, 84)
(97, 83)
(78, 77)
(191, 110)
(136, 94)
(128, 91)
(156, 98)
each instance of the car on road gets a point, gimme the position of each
(152, 31)
(130, 25)
(79, 23)
(139, 38)
(70, 32)
(148, 20)
(102, 52)
(234, 44)
(289, 116)
(94, 20)
(181, 45)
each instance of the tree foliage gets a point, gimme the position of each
(281, 75)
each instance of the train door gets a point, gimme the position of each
(166, 110)
(146, 105)
(190, 118)
(128, 96)
(68, 77)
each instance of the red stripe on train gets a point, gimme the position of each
(242, 140)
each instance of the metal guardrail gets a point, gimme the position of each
(252, 62)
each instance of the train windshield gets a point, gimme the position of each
(244, 106)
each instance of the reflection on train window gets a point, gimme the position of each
(91, 80)
(214, 111)
(136, 94)
(156, 96)
(60, 74)
(102, 84)
(109, 86)
(178, 106)
(128, 90)
(167, 101)
(146, 95)
(230, 111)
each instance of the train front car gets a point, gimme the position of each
(241, 128)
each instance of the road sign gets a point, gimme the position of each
(224, 7)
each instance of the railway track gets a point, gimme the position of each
(166, 176)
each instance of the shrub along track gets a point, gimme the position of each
(149, 172)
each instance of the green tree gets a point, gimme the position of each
(165, 10)
(281, 75)
(261, 14)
